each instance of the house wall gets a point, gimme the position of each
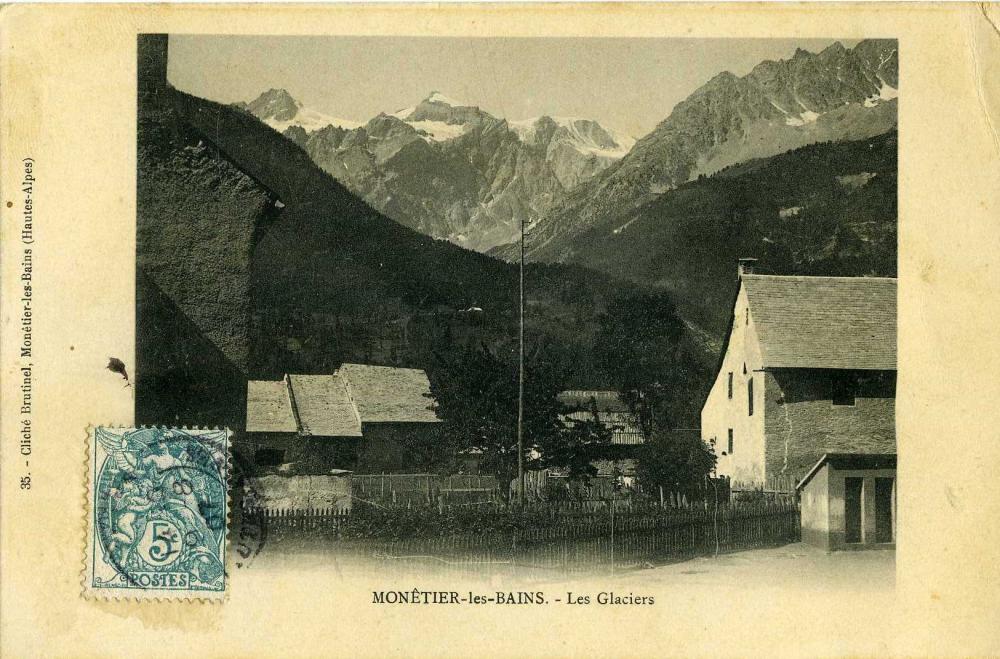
(303, 455)
(815, 509)
(384, 448)
(837, 510)
(181, 377)
(197, 225)
(198, 219)
(802, 424)
(720, 413)
(399, 447)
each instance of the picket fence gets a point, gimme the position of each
(774, 485)
(419, 489)
(569, 540)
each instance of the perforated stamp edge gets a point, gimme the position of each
(141, 595)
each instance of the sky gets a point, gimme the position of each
(626, 84)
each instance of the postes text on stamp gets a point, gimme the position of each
(158, 512)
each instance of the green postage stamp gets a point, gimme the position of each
(157, 513)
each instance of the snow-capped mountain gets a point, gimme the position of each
(279, 110)
(448, 168)
(584, 134)
(576, 148)
(834, 95)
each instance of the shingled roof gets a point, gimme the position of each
(389, 394)
(824, 322)
(268, 408)
(336, 405)
(323, 406)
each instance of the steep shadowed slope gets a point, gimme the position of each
(334, 280)
(823, 209)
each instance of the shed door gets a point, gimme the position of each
(852, 509)
(884, 525)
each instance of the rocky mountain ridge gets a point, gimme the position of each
(834, 95)
(449, 169)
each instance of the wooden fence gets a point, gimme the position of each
(773, 485)
(419, 489)
(569, 540)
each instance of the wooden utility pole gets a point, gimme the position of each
(520, 384)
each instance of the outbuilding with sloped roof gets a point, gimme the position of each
(359, 416)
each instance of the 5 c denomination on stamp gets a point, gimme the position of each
(157, 513)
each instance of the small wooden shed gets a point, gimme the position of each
(849, 501)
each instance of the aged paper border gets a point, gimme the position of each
(68, 77)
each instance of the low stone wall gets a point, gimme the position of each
(278, 492)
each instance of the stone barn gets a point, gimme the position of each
(808, 367)
(359, 418)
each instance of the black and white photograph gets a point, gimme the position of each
(531, 307)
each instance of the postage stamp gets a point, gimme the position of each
(157, 513)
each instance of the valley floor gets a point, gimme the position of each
(791, 568)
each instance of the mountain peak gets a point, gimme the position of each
(276, 104)
(276, 96)
(279, 110)
(723, 77)
(438, 97)
(837, 95)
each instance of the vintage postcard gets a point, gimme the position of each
(637, 330)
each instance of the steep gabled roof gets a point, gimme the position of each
(336, 405)
(824, 322)
(323, 406)
(389, 394)
(268, 409)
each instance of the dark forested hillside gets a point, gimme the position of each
(824, 209)
(334, 280)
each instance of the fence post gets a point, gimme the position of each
(612, 538)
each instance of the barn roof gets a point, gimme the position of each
(335, 405)
(389, 394)
(324, 407)
(824, 322)
(268, 408)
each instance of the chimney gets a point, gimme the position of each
(746, 266)
(152, 65)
